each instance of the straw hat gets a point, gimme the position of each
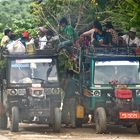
(132, 29)
(43, 29)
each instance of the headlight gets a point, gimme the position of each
(19, 92)
(13, 92)
(96, 93)
(37, 93)
(138, 93)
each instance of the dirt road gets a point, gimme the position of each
(33, 132)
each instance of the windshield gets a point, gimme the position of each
(124, 72)
(33, 71)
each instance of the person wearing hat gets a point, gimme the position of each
(5, 40)
(28, 42)
(131, 39)
(42, 39)
(24, 38)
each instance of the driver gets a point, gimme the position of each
(25, 80)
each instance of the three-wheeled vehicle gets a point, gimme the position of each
(109, 85)
(30, 91)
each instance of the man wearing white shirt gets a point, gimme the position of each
(42, 37)
(131, 39)
(15, 45)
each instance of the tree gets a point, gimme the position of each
(123, 13)
(29, 14)
(18, 18)
(78, 12)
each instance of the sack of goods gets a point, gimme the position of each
(16, 47)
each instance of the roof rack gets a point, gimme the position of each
(37, 53)
(130, 53)
(114, 51)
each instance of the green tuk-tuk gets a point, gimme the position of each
(109, 87)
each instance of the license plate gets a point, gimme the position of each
(129, 115)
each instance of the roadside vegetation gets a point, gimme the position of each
(21, 15)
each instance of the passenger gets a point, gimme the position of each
(110, 29)
(131, 39)
(68, 34)
(42, 39)
(15, 46)
(25, 77)
(24, 38)
(28, 42)
(69, 103)
(52, 39)
(101, 38)
(90, 32)
(51, 36)
(5, 40)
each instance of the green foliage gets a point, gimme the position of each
(124, 14)
(2, 64)
(22, 25)
(16, 15)
(29, 14)
(78, 12)
(65, 63)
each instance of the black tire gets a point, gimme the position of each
(3, 121)
(15, 119)
(138, 127)
(100, 120)
(57, 120)
(79, 123)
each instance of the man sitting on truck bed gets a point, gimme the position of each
(101, 38)
(131, 38)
